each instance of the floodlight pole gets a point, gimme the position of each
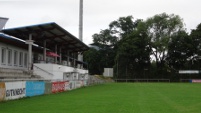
(81, 20)
(80, 56)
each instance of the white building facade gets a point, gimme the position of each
(13, 57)
(61, 64)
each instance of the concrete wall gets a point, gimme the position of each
(55, 71)
(16, 90)
(21, 89)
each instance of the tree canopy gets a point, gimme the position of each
(158, 45)
(160, 29)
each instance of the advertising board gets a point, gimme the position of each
(79, 84)
(72, 85)
(85, 83)
(2, 91)
(34, 88)
(58, 87)
(48, 87)
(67, 86)
(196, 81)
(15, 90)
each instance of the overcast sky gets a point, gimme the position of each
(97, 13)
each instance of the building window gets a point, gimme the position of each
(15, 58)
(3, 56)
(10, 57)
(21, 59)
(25, 60)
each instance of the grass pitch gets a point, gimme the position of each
(114, 98)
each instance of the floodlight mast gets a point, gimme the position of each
(81, 20)
(80, 56)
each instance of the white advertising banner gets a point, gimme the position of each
(78, 84)
(15, 90)
(85, 83)
(188, 71)
(67, 86)
(72, 85)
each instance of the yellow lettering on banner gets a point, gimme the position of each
(2, 91)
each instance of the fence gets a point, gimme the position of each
(142, 80)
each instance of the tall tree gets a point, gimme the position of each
(133, 54)
(104, 38)
(123, 26)
(160, 29)
(196, 37)
(180, 49)
(107, 40)
(92, 57)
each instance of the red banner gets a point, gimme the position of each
(2, 91)
(58, 87)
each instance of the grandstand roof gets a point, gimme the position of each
(52, 33)
(4, 38)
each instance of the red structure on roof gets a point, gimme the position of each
(52, 54)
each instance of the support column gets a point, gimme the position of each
(30, 42)
(68, 58)
(80, 58)
(60, 59)
(55, 59)
(44, 51)
(74, 60)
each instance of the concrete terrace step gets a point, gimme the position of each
(14, 73)
(7, 70)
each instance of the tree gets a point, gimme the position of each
(160, 29)
(180, 49)
(104, 38)
(107, 40)
(104, 56)
(133, 55)
(123, 26)
(196, 38)
(127, 46)
(92, 57)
